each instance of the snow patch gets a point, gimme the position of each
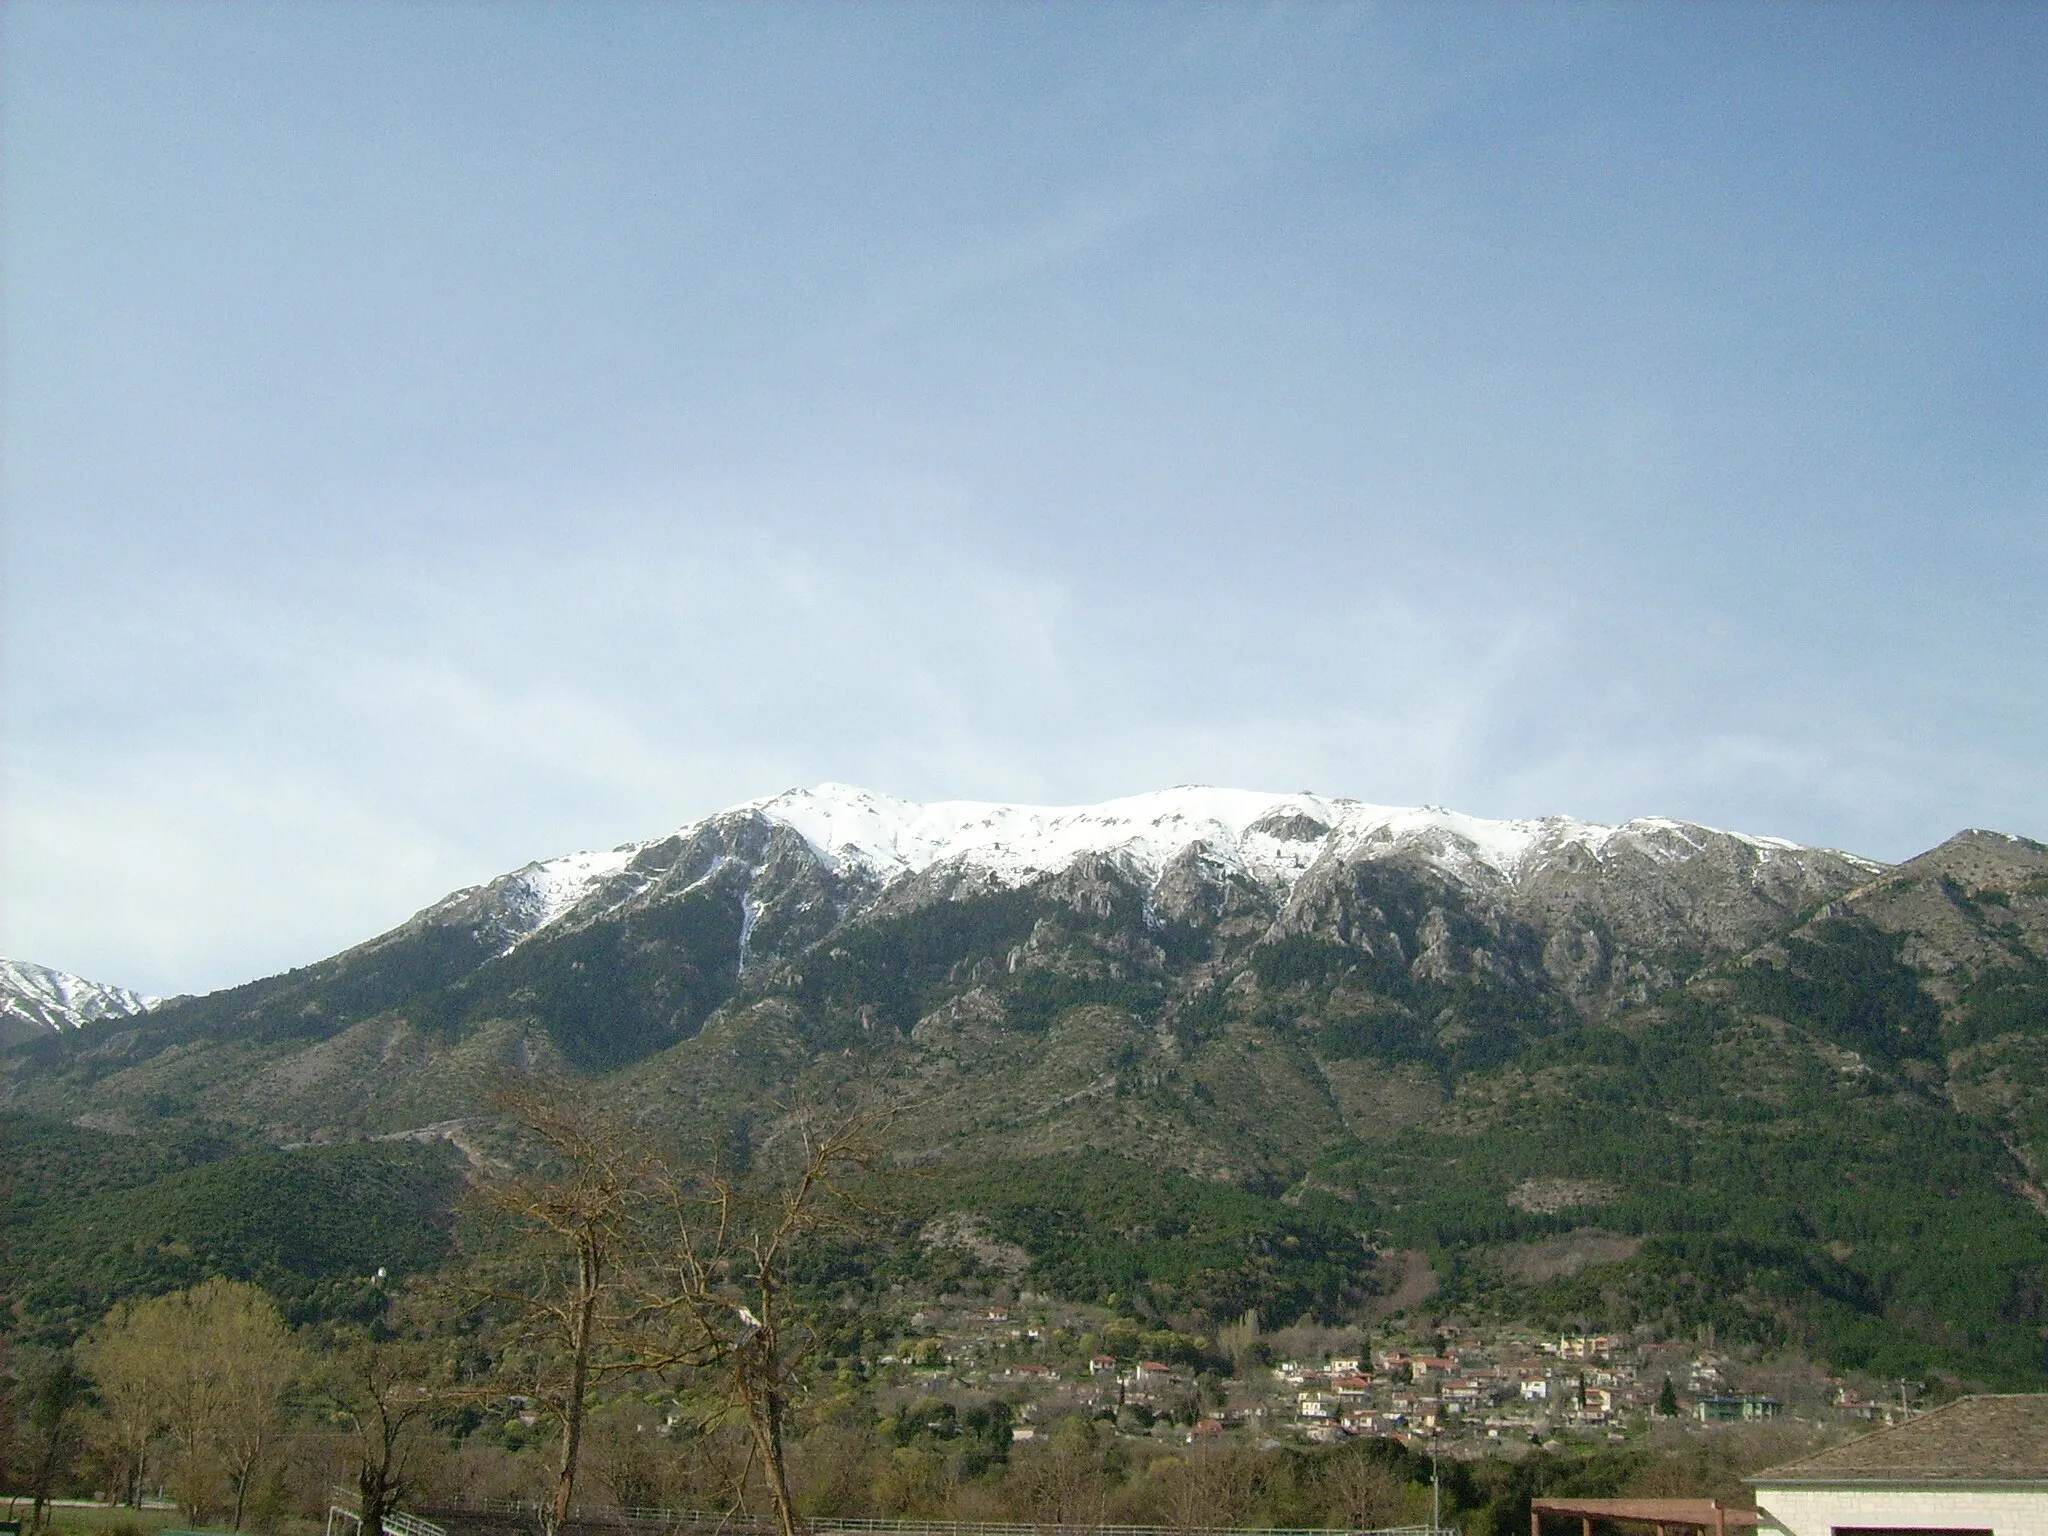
(750, 913)
(541, 893)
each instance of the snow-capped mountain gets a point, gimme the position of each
(1273, 840)
(835, 919)
(1422, 1013)
(52, 999)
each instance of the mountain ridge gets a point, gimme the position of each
(604, 959)
(882, 838)
(1811, 1090)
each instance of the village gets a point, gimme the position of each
(1460, 1388)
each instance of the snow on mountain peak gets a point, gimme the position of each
(541, 892)
(53, 999)
(888, 837)
(1269, 837)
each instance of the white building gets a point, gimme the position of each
(1977, 1467)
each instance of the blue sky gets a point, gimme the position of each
(443, 436)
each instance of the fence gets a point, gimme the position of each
(396, 1523)
(697, 1522)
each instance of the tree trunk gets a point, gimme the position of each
(49, 1418)
(778, 1472)
(373, 1492)
(589, 1275)
(761, 1399)
(52, 1452)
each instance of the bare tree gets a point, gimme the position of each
(381, 1388)
(53, 1434)
(1361, 1491)
(1064, 1481)
(9, 1386)
(718, 1276)
(633, 1263)
(639, 1468)
(1208, 1489)
(576, 1218)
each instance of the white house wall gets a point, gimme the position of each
(1820, 1511)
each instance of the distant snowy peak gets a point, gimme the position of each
(52, 999)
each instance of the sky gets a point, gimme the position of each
(440, 436)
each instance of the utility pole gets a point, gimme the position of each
(1436, 1491)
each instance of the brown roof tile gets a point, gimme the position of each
(1973, 1439)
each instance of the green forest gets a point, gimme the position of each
(363, 1323)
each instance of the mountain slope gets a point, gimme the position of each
(1837, 1139)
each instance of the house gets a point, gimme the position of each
(1853, 1404)
(1102, 1365)
(1589, 1346)
(1978, 1465)
(1313, 1405)
(1736, 1410)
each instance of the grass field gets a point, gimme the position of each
(95, 1519)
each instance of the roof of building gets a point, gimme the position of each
(1699, 1514)
(1991, 1439)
